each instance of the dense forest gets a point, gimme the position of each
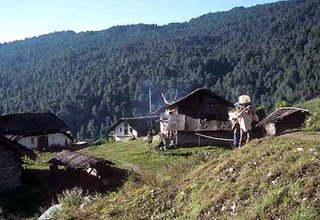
(90, 79)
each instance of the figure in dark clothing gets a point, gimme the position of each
(149, 138)
(53, 172)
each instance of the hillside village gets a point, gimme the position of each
(217, 117)
(198, 119)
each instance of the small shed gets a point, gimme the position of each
(80, 161)
(196, 117)
(10, 163)
(128, 128)
(89, 170)
(284, 119)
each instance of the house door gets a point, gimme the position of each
(125, 129)
(43, 142)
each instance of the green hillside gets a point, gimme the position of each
(269, 178)
(90, 79)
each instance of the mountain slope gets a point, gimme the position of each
(92, 78)
(268, 179)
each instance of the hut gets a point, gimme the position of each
(77, 160)
(10, 163)
(36, 130)
(198, 119)
(283, 119)
(87, 170)
(130, 128)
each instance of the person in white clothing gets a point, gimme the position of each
(242, 120)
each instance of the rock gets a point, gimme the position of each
(50, 212)
(269, 174)
(233, 208)
(299, 149)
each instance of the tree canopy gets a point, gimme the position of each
(89, 79)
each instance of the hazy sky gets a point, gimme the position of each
(26, 18)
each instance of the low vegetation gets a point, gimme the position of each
(268, 179)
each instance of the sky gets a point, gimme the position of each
(20, 19)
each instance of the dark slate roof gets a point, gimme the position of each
(280, 114)
(31, 124)
(77, 160)
(140, 124)
(201, 90)
(18, 148)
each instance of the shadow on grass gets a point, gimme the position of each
(40, 189)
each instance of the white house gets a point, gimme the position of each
(36, 130)
(44, 141)
(128, 128)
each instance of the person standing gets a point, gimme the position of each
(149, 138)
(242, 121)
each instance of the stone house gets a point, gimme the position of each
(10, 163)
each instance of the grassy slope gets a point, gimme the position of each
(273, 177)
(136, 156)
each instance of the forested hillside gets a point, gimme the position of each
(92, 78)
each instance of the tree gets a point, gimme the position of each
(92, 128)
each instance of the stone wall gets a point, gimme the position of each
(10, 171)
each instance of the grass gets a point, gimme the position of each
(149, 168)
(135, 155)
(269, 178)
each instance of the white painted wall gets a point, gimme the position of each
(53, 140)
(119, 135)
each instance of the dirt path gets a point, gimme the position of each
(303, 135)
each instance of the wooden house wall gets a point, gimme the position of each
(292, 121)
(203, 106)
(10, 171)
(177, 122)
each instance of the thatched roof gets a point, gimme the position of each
(28, 124)
(281, 113)
(140, 124)
(77, 160)
(17, 148)
(200, 91)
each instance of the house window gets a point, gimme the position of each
(52, 137)
(131, 130)
(32, 140)
(120, 130)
